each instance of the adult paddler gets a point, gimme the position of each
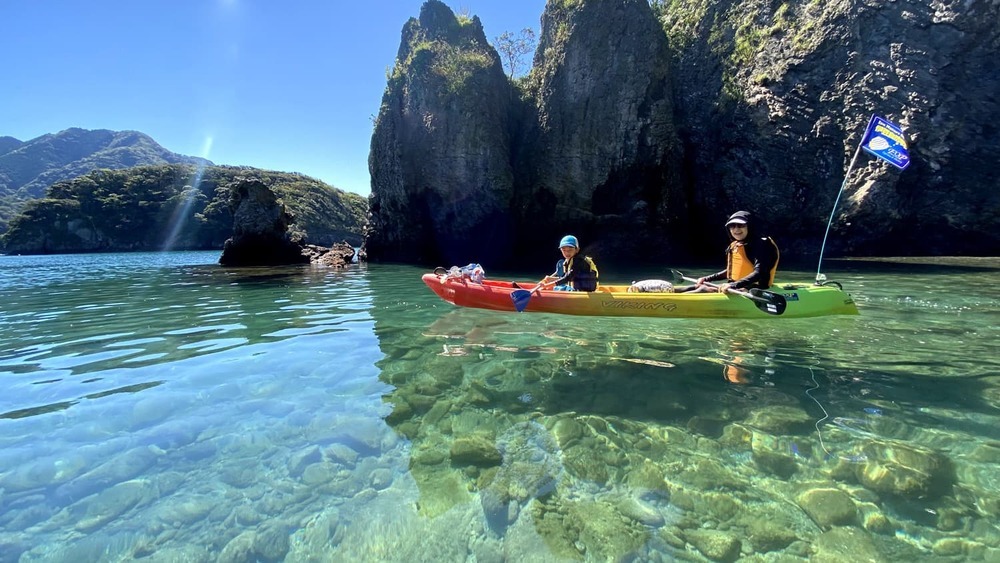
(751, 259)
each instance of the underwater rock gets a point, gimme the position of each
(107, 505)
(531, 468)
(773, 527)
(381, 478)
(118, 469)
(845, 544)
(271, 541)
(767, 536)
(770, 454)
(298, 461)
(708, 475)
(185, 553)
(238, 475)
(736, 436)
(239, 549)
(316, 535)
(716, 545)
(319, 473)
(149, 411)
(186, 511)
(566, 430)
(34, 474)
(828, 507)
(122, 546)
(954, 547)
(722, 506)
(646, 475)
(606, 535)
(878, 523)
(477, 450)
(905, 470)
(782, 420)
(640, 511)
(10, 550)
(23, 512)
(343, 454)
(363, 435)
(988, 452)
(706, 426)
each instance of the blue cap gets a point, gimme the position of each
(569, 240)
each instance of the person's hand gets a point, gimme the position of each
(700, 281)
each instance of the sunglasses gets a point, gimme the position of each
(737, 226)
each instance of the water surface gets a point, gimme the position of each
(159, 407)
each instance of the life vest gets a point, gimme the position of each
(584, 281)
(740, 265)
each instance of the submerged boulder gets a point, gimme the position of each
(531, 468)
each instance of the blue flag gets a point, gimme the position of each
(885, 140)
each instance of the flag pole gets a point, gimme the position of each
(882, 139)
(820, 277)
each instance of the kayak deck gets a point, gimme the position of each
(803, 300)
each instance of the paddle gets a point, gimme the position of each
(767, 301)
(520, 297)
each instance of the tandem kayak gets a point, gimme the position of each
(802, 300)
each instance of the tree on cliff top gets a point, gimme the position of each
(512, 48)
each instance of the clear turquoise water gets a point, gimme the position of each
(158, 407)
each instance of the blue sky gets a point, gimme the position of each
(283, 85)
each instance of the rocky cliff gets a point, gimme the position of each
(642, 125)
(440, 151)
(774, 97)
(600, 153)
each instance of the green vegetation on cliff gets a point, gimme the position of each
(454, 52)
(172, 207)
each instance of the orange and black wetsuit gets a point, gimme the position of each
(751, 263)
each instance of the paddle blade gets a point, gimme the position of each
(768, 301)
(520, 297)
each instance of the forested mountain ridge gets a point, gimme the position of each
(8, 144)
(34, 165)
(27, 168)
(172, 207)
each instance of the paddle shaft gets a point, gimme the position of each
(732, 290)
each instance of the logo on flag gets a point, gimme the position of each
(885, 140)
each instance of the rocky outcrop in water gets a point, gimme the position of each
(339, 255)
(260, 228)
(262, 235)
(640, 128)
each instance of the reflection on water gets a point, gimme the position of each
(159, 407)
